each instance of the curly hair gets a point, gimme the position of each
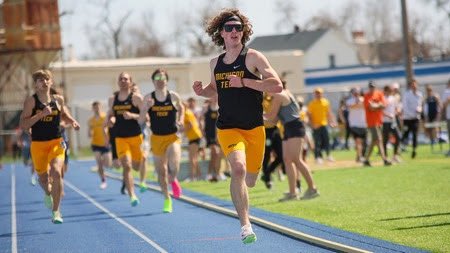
(215, 25)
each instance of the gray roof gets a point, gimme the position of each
(298, 40)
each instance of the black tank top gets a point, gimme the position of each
(238, 107)
(432, 103)
(210, 122)
(163, 116)
(124, 127)
(46, 128)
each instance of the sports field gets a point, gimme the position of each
(407, 203)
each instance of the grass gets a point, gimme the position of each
(408, 203)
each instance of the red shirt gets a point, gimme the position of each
(374, 118)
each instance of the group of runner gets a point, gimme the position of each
(239, 76)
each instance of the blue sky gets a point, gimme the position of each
(260, 12)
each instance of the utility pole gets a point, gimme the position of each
(406, 44)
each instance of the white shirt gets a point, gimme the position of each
(391, 106)
(444, 98)
(356, 115)
(412, 104)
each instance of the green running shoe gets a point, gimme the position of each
(142, 187)
(247, 234)
(56, 217)
(167, 205)
(134, 201)
(48, 201)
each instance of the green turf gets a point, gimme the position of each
(408, 203)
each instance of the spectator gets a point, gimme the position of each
(285, 108)
(320, 116)
(412, 109)
(344, 126)
(194, 134)
(431, 111)
(273, 144)
(374, 103)
(357, 122)
(389, 122)
(209, 119)
(446, 107)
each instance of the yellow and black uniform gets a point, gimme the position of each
(210, 126)
(194, 133)
(128, 132)
(98, 141)
(240, 122)
(46, 141)
(163, 123)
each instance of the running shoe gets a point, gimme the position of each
(310, 194)
(397, 159)
(167, 205)
(288, 197)
(48, 201)
(103, 185)
(176, 189)
(56, 217)
(134, 201)
(143, 187)
(33, 180)
(247, 234)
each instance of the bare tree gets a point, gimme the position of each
(107, 29)
(382, 21)
(443, 5)
(287, 11)
(323, 20)
(347, 19)
(200, 43)
(141, 41)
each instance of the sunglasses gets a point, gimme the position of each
(237, 27)
(159, 78)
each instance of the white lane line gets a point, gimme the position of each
(13, 211)
(112, 215)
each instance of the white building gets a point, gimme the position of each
(325, 48)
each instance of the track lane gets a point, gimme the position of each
(189, 228)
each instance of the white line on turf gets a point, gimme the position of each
(13, 211)
(112, 215)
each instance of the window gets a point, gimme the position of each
(332, 60)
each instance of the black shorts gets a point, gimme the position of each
(211, 141)
(294, 129)
(196, 141)
(431, 117)
(101, 149)
(359, 132)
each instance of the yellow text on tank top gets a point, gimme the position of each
(162, 111)
(223, 77)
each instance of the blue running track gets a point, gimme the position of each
(103, 221)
